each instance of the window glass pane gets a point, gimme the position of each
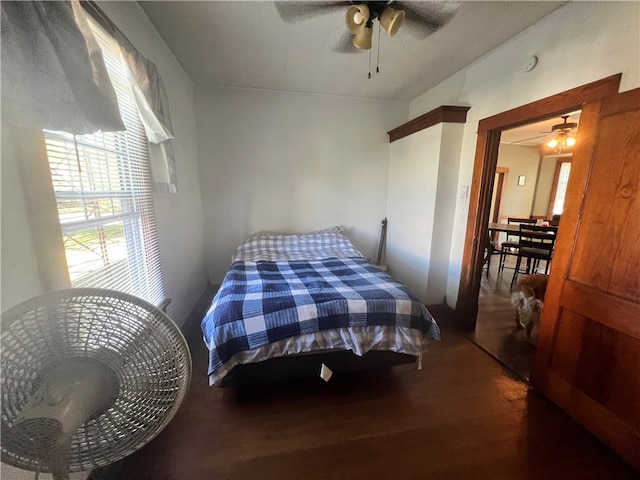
(563, 180)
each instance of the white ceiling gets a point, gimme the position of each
(536, 133)
(248, 44)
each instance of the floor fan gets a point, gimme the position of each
(88, 377)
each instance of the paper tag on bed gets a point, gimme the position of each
(325, 373)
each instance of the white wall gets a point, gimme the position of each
(444, 215)
(291, 162)
(577, 44)
(544, 185)
(411, 200)
(20, 278)
(423, 171)
(517, 200)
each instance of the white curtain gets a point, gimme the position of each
(153, 106)
(54, 77)
(53, 74)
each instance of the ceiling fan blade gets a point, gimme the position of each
(345, 44)
(527, 139)
(294, 11)
(424, 18)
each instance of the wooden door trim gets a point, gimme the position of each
(554, 184)
(485, 161)
(551, 106)
(502, 184)
(445, 113)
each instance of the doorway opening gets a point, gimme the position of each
(490, 131)
(529, 186)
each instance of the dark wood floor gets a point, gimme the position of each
(462, 416)
(496, 331)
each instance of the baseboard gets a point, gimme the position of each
(443, 314)
(192, 323)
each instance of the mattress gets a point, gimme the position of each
(299, 294)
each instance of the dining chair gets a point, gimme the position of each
(492, 248)
(536, 244)
(511, 244)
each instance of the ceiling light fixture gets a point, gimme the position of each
(563, 138)
(360, 19)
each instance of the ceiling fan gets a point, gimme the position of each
(563, 135)
(564, 126)
(422, 18)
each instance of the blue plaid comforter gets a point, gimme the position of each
(263, 302)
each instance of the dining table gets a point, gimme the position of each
(510, 229)
(504, 227)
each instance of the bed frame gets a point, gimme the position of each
(295, 367)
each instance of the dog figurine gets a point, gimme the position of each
(528, 298)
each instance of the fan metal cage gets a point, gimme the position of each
(142, 349)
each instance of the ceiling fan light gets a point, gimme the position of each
(391, 20)
(571, 141)
(553, 143)
(357, 17)
(362, 39)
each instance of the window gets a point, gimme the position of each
(102, 186)
(560, 187)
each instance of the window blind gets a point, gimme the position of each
(102, 186)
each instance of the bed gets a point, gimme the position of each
(293, 303)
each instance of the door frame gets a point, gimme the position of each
(484, 169)
(502, 173)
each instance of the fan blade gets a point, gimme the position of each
(527, 139)
(345, 45)
(424, 18)
(294, 11)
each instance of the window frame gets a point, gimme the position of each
(556, 179)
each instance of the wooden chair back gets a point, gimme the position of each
(538, 237)
(518, 221)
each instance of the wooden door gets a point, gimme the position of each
(588, 355)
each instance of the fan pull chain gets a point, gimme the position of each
(377, 56)
(378, 59)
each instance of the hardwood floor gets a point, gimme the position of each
(462, 416)
(496, 331)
